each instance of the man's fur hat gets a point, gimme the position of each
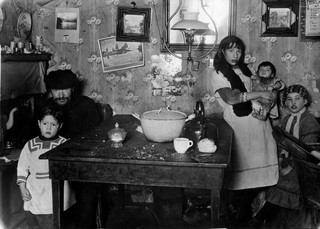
(61, 79)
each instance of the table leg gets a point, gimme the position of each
(57, 203)
(3, 209)
(215, 207)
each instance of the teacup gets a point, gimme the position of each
(181, 145)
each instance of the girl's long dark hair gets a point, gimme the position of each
(221, 64)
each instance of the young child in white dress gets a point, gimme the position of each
(33, 173)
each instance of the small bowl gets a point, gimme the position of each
(207, 146)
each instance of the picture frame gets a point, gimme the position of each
(279, 19)
(119, 55)
(24, 25)
(67, 25)
(309, 21)
(223, 13)
(133, 24)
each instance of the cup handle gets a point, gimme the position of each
(190, 143)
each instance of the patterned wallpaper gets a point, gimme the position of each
(296, 62)
(131, 90)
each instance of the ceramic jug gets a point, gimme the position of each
(200, 127)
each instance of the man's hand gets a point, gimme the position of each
(26, 196)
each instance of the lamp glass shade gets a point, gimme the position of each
(190, 22)
(190, 25)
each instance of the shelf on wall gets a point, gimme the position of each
(25, 57)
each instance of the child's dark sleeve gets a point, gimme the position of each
(310, 131)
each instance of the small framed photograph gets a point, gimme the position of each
(133, 24)
(280, 18)
(67, 25)
(120, 55)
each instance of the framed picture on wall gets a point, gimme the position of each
(133, 24)
(309, 20)
(280, 18)
(117, 55)
(67, 25)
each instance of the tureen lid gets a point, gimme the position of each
(117, 130)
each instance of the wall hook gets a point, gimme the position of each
(133, 4)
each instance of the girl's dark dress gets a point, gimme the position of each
(286, 193)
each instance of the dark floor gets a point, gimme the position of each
(144, 208)
(144, 218)
(136, 207)
(139, 210)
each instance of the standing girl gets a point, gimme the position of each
(254, 162)
(33, 173)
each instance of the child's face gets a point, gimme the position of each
(49, 126)
(295, 102)
(265, 72)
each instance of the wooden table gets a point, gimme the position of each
(91, 158)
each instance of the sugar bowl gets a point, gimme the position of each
(117, 135)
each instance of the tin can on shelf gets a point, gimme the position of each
(12, 46)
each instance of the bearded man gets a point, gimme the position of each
(81, 115)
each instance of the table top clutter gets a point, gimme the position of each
(90, 157)
(96, 146)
